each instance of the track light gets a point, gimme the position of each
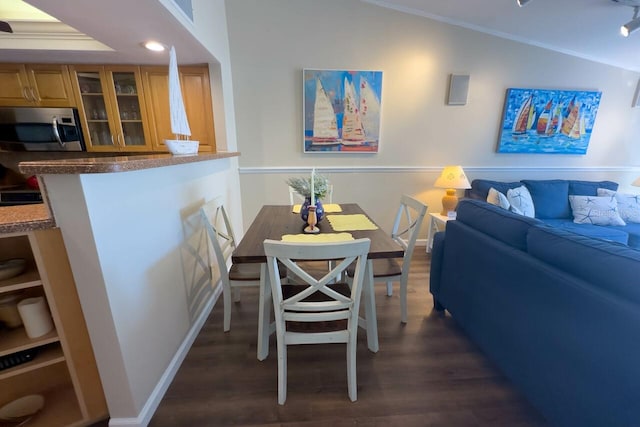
(522, 2)
(632, 25)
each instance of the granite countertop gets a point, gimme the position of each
(37, 216)
(116, 163)
(25, 218)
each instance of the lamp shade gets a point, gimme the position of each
(636, 182)
(452, 177)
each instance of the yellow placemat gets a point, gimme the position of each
(351, 222)
(317, 238)
(328, 208)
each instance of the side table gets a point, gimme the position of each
(437, 223)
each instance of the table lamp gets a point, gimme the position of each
(451, 178)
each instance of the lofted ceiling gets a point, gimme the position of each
(588, 29)
(98, 31)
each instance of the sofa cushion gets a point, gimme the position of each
(496, 222)
(550, 197)
(521, 202)
(632, 230)
(614, 234)
(497, 198)
(628, 204)
(586, 258)
(595, 210)
(590, 188)
(480, 188)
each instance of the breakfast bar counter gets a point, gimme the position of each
(131, 229)
(116, 163)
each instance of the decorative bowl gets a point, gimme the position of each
(179, 146)
(12, 267)
(22, 408)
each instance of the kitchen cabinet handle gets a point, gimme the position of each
(25, 93)
(34, 95)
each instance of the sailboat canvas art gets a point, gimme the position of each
(179, 123)
(548, 121)
(341, 110)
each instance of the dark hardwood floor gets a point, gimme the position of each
(427, 373)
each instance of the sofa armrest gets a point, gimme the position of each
(437, 255)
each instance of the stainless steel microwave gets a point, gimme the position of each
(40, 129)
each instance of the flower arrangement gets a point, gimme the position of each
(302, 186)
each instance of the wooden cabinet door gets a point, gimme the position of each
(196, 93)
(35, 85)
(50, 85)
(112, 108)
(14, 86)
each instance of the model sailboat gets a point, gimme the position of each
(179, 123)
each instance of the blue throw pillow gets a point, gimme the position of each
(550, 198)
(590, 188)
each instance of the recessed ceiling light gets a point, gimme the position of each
(154, 46)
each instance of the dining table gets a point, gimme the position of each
(275, 221)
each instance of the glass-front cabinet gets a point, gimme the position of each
(112, 108)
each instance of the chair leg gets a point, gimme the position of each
(226, 296)
(282, 370)
(403, 300)
(352, 383)
(236, 294)
(389, 289)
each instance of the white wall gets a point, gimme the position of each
(124, 236)
(272, 41)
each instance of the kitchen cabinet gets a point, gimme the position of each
(196, 92)
(35, 85)
(64, 369)
(111, 107)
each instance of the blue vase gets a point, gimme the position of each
(304, 210)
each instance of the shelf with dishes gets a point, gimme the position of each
(53, 366)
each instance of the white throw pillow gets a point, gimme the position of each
(595, 210)
(521, 201)
(628, 204)
(497, 198)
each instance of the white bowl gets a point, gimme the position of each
(180, 146)
(12, 267)
(21, 408)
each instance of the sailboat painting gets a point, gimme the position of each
(548, 121)
(341, 110)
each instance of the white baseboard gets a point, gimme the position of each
(149, 408)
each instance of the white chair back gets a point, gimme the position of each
(406, 227)
(220, 233)
(305, 306)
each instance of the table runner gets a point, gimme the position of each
(328, 208)
(354, 222)
(317, 238)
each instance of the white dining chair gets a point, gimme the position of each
(232, 276)
(295, 198)
(316, 300)
(406, 227)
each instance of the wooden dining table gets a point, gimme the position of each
(275, 221)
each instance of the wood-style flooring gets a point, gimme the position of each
(427, 373)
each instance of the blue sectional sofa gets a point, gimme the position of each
(551, 201)
(557, 312)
